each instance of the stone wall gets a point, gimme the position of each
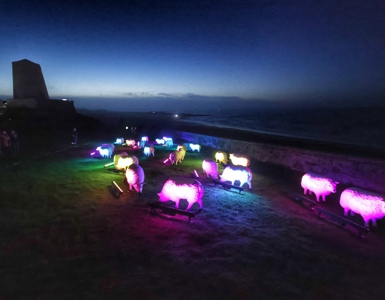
(366, 173)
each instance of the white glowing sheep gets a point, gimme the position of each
(237, 173)
(135, 177)
(239, 160)
(131, 143)
(149, 150)
(143, 141)
(182, 188)
(210, 168)
(119, 141)
(370, 206)
(221, 157)
(195, 147)
(106, 150)
(124, 162)
(318, 184)
(160, 141)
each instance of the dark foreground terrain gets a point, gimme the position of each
(66, 236)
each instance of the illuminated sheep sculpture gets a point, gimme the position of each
(177, 156)
(149, 150)
(168, 141)
(160, 141)
(370, 206)
(239, 160)
(195, 147)
(119, 141)
(131, 143)
(143, 141)
(221, 157)
(240, 173)
(182, 188)
(210, 168)
(135, 177)
(106, 150)
(318, 184)
(123, 162)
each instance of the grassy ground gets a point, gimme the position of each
(65, 236)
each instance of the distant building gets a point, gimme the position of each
(30, 91)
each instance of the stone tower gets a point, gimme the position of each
(28, 81)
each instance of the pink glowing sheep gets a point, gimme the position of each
(210, 168)
(370, 206)
(149, 150)
(318, 184)
(182, 188)
(221, 157)
(135, 177)
(123, 162)
(239, 160)
(237, 173)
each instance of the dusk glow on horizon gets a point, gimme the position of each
(145, 55)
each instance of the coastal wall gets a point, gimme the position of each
(362, 172)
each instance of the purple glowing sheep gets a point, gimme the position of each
(135, 177)
(370, 206)
(182, 188)
(210, 168)
(318, 184)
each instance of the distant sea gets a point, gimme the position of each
(357, 126)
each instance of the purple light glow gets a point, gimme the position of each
(192, 191)
(318, 184)
(370, 206)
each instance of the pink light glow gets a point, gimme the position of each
(192, 191)
(369, 205)
(196, 174)
(318, 184)
(165, 161)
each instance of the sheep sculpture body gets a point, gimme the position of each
(237, 173)
(371, 206)
(149, 150)
(318, 184)
(182, 188)
(239, 159)
(210, 168)
(135, 177)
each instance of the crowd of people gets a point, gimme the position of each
(9, 143)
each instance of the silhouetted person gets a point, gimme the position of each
(14, 142)
(5, 142)
(74, 136)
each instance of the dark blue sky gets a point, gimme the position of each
(109, 54)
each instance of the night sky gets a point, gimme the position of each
(193, 54)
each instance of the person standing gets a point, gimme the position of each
(74, 136)
(14, 142)
(4, 141)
